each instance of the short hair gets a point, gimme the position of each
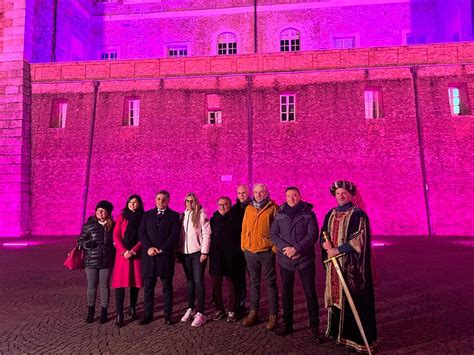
(163, 192)
(227, 198)
(292, 188)
(261, 185)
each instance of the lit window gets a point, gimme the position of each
(344, 42)
(458, 99)
(373, 103)
(287, 107)
(132, 112)
(214, 117)
(178, 51)
(226, 44)
(412, 38)
(108, 55)
(58, 114)
(290, 40)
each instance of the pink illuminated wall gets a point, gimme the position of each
(174, 148)
(44, 169)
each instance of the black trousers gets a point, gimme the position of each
(120, 298)
(307, 277)
(149, 295)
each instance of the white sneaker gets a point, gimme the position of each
(199, 320)
(188, 315)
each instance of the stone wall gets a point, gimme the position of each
(174, 148)
(15, 122)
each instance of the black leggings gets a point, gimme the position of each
(120, 297)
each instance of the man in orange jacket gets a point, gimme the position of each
(259, 255)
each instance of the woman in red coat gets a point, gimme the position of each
(127, 259)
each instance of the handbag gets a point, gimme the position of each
(75, 259)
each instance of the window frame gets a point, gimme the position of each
(293, 42)
(128, 120)
(217, 119)
(463, 104)
(286, 105)
(373, 96)
(226, 50)
(58, 113)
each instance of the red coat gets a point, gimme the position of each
(126, 272)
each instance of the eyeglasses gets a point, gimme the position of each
(189, 201)
(223, 204)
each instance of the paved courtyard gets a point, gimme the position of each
(424, 298)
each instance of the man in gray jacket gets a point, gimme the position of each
(295, 231)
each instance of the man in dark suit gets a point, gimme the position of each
(159, 234)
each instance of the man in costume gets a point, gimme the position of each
(347, 227)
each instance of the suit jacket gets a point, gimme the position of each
(165, 237)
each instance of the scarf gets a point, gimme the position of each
(292, 212)
(261, 204)
(130, 238)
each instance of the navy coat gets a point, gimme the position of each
(165, 238)
(300, 233)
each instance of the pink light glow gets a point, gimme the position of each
(16, 245)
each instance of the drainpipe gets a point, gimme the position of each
(255, 47)
(55, 25)
(250, 129)
(89, 150)
(414, 73)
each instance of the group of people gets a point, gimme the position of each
(246, 237)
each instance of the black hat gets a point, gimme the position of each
(342, 184)
(106, 205)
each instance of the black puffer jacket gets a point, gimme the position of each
(98, 245)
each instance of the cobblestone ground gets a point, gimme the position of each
(425, 305)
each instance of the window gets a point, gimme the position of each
(373, 103)
(132, 112)
(344, 42)
(178, 51)
(290, 40)
(58, 114)
(214, 117)
(459, 99)
(108, 55)
(226, 44)
(287, 107)
(412, 38)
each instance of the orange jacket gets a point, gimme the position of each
(256, 227)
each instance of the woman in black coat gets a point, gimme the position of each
(97, 242)
(226, 259)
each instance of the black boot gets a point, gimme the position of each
(90, 314)
(132, 312)
(120, 322)
(286, 330)
(103, 315)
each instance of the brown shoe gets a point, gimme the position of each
(251, 319)
(272, 322)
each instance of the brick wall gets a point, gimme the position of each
(173, 148)
(147, 35)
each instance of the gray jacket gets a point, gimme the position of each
(300, 233)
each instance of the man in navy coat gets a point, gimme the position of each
(159, 234)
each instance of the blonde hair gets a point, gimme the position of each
(197, 208)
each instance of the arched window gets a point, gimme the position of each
(226, 43)
(289, 40)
